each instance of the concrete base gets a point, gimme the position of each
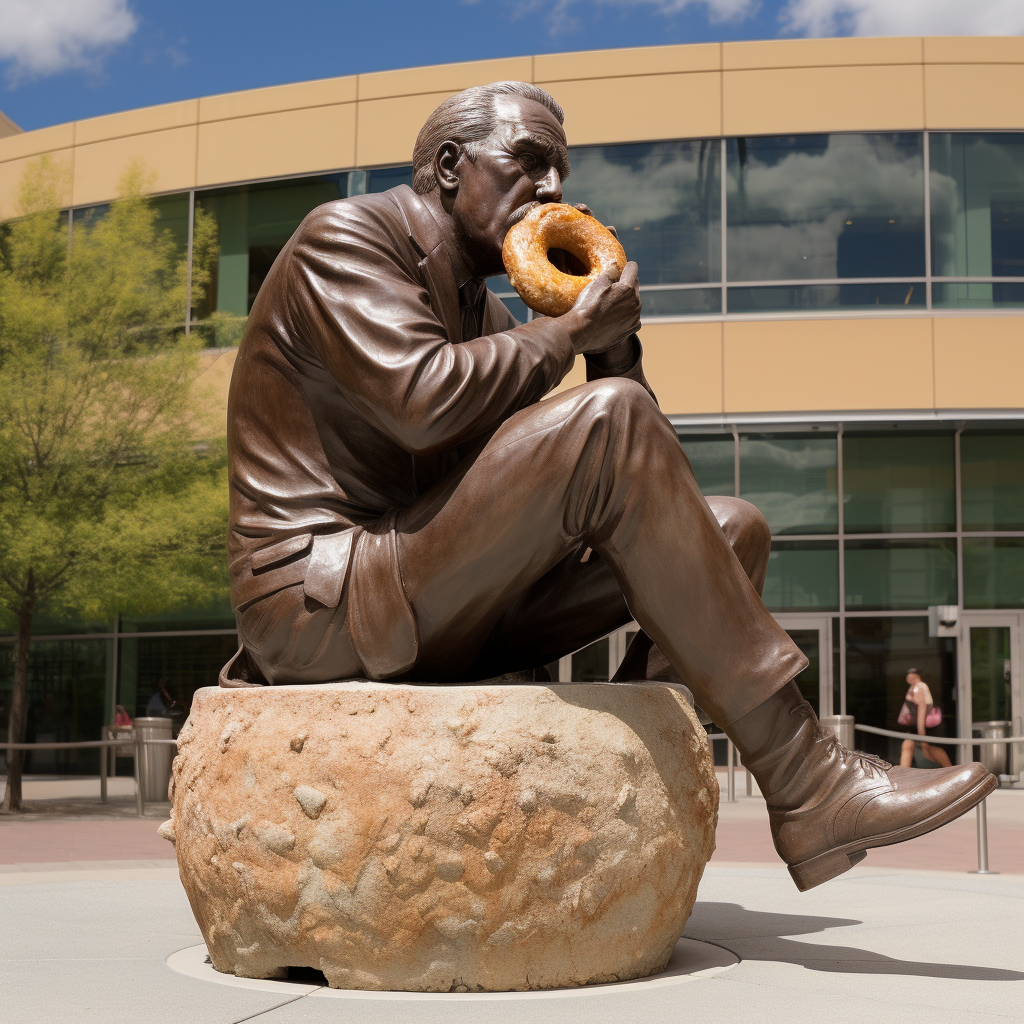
(691, 961)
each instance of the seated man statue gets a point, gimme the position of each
(405, 506)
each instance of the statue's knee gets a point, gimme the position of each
(619, 393)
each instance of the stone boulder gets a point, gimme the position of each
(443, 838)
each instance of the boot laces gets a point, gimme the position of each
(873, 765)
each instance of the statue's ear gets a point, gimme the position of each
(446, 162)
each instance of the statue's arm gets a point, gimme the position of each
(369, 319)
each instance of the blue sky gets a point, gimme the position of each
(61, 60)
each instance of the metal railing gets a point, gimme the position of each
(137, 742)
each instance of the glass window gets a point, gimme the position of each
(890, 574)
(992, 481)
(791, 478)
(171, 216)
(383, 178)
(991, 699)
(898, 482)
(681, 302)
(993, 572)
(663, 199)
(809, 642)
(1005, 295)
(825, 206)
(904, 295)
(591, 664)
(253, 223)
(713, 458)
(66, 692)
(803, 576)
(216, 615)
(879, 651)
(160, 675)
(977, 194)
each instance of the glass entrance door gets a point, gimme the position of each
(813, 635)
(990, 683)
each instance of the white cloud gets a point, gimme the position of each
(560, 16)
(904, 17)
(43, 37)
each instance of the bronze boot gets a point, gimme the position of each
(828, 805)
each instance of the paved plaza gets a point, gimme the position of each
(97, 929)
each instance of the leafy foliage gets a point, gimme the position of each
(106, 498)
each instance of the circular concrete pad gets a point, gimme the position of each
(691, 961)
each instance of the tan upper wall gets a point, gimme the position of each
(626, 95)
(7, 126)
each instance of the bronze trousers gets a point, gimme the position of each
(491, 561)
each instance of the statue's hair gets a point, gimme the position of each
(466, 118)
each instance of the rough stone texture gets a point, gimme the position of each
(429, 838)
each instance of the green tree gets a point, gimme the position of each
(106, 499)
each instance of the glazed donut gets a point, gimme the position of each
(540, 284)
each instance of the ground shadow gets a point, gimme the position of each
(755, 935)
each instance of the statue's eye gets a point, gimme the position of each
(528, 161)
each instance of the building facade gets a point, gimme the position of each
(830, 237)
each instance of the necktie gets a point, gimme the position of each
(469, 300)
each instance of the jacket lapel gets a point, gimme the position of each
(435, 267)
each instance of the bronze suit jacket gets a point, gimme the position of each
(354, 391)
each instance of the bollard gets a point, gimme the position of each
(730, 761)
(140, 801)
(983, 842)
(750, 780)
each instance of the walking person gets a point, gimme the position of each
(918, 708)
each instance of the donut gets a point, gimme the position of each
(540, 284)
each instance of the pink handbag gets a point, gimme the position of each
(908, 716)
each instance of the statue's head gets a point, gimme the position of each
(490, 153)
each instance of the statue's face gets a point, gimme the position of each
(521, 164)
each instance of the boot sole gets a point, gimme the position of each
(809, 873)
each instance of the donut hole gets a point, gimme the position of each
(568, 262)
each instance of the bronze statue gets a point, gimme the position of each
(404, 505)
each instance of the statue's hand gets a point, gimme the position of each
(606, 312)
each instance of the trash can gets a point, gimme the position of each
(842, 726)
(156, 757)
(993, 755)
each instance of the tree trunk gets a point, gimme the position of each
(19, 696)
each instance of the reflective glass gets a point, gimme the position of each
(216, 615)
(879, 651)
(977, 196)
(663, 199)
(782, 298)
(990, 674)
(253, 223)
(898, 482)
(825, 206)
(993, 572)
(992, 481)
(66, 692)
(160, 675)
(791, 478)
(681, 302)
(713, 458)
(591, 664)
(171, 213)
(809, 640)
(994, 295)
(803, 576)
(516, 307)
(891, 574)
(382, 178)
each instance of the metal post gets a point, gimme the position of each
(750, 781)
(105, 734)
(140, 778)
(730, 760)
(983, 842)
